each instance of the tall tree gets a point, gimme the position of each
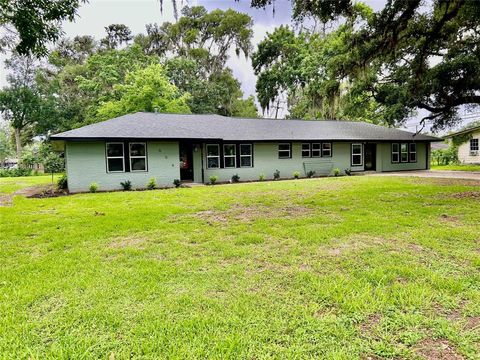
(80, 88)
(204, 36)
(305, 69)
(418, 55)
(29, 25)
(146, 89)
(219, 93)
(19, 102)
(117, 35)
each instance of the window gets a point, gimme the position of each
(357, 155)
(473, 144)
(395, 153)
(413, 152)
(306, 150)
(404, 152)
(115, 157)
(316, 150)
(138, 157)
(229, 156)
(327, 149)
(213, 156)
(284, 151)
(246, 155)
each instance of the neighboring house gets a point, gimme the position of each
(468, 151)
(139, 146)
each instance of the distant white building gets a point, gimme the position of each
(469, 151)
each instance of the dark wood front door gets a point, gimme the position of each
(186, 161)
(370, 157)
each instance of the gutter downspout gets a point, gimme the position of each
(201, 154)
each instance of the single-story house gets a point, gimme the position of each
(140, 146)
(469, 150)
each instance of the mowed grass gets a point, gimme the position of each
(457, 167)
(337, 268)
(9, 185)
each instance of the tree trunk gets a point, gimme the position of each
(18, 143)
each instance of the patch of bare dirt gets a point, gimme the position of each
(466, 195)
(355, 243)
(40, 191)
(130, 241)
(455, 315)
(6, 200)
(450, 219)
(370, 323)
(437, 349)
(448, 181)
(251, 213)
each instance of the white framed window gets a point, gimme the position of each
(213, 156)
(395, 153)
(316, 150)
(357, 154)
(246, 156)
(404, 152)
(306, 150)
(115, 157)
(284, 151)
(473, 144)
(326, 149)
(138, 156)
(412, 152)
(229, 156)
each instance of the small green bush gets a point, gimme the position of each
(310, 173)
(296, 174)
(126, 185)
(152, 183)
(235, 178)
(213, 179)
(261, 177)
(62, 182)
(177, 183)
(21, 171)
(276, 175)
(336, 171)
(93, 187)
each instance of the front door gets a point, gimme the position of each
(186, 161)
(370, 157)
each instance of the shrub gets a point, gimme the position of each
(93, 187)
(177, 183)
(152, 183)
(276, 175)
(15, 172)
(62, 183)
(336, 171)
(235, 178)
(213, 179)
(261, 177)
(296, 174)
(126, 185)
(348, 172)
(310, 173)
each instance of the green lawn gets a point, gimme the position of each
(9, 185)
(459, 167)
(337, 268)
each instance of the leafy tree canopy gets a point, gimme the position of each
(201, 35)
(410, 55)
(146, 89)
(30, 25)
(21, 102)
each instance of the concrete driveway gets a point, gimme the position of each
(445, 174)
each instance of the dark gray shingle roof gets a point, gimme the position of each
(214, 127)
